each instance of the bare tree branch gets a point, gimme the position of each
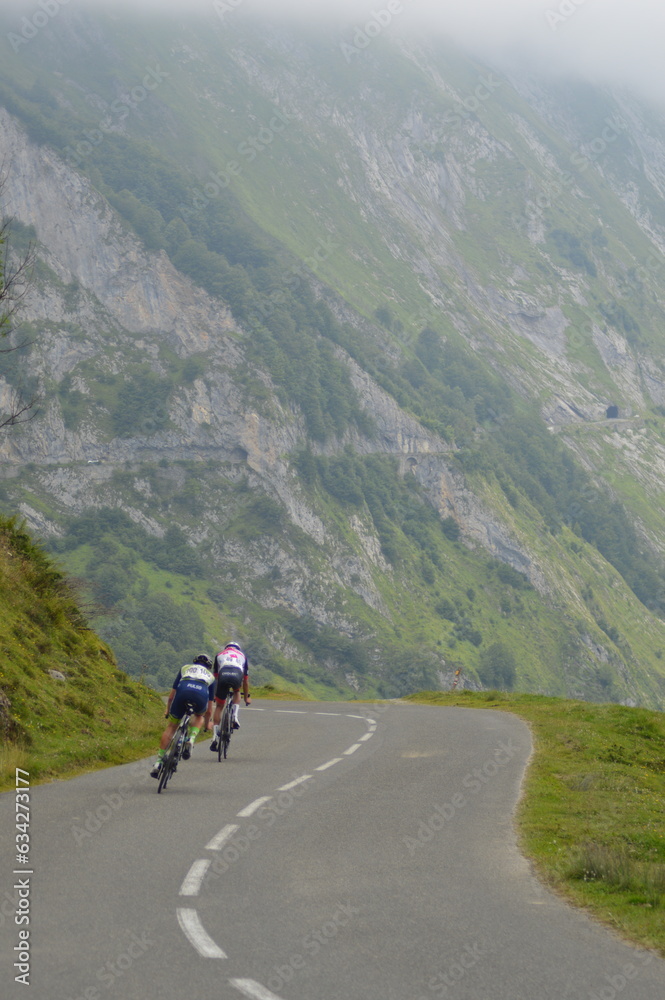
(18, 408)
(15, 279)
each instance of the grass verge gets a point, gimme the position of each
(101, 738)
(592, 816)
(280, 694)
(66, 744)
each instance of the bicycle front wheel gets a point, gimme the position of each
(226, 729)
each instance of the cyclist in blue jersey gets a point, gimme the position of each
(194, 685)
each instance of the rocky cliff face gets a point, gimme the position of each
(130, 304)
(447, 236)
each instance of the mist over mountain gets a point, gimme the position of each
(614, 43)
(349, 344)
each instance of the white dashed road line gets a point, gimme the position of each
(290, 711)
(292, 784)
(220, 838)
(189, 920)
(194, 877)
(196, 934)
(253, 806)
(253, 989)
(324, 767)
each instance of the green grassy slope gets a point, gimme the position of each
(94, 715)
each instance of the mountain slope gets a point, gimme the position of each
(326, 368)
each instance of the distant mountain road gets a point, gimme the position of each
(342, 852)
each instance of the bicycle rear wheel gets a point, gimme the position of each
(226, 729)
(166, 770)
(171, 757)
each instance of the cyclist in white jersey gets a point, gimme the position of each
(231, 669)
(194, 685)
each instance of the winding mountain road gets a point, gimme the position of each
(342, 852)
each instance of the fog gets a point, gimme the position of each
(604, 41)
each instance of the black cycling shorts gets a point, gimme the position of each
(229, 679)
(189, 692)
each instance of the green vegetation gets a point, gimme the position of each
(570, 247)
(92, 716)
(311, 257)
(425, 604)
(591, 817)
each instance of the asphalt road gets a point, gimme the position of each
(341, 852)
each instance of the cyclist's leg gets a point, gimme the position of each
(235, 708)
(220, 697)
(167, 736)
(230, 680)
(176, 712)
(195, 723)
(235, 683)
(179, 707)
(196, 703)
(207, 718)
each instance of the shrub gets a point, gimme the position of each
(497, 667)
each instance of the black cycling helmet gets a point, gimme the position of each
(204, 660)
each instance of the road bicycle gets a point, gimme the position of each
(173, 753)
(225, 727)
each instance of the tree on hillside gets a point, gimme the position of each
(14, 283)
(497, 667)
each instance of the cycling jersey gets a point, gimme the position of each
(231, 666)
(195, 671)
(194, 685)
(231, 657)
